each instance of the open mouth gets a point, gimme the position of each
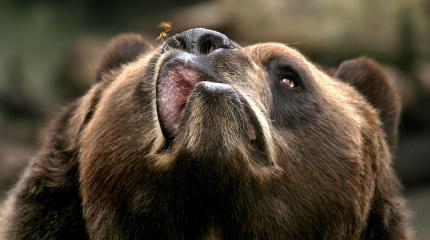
(175, 86)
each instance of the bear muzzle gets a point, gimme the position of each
(202, 112)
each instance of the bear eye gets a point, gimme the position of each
(288, 83)
(289, 79)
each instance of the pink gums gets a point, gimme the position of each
(174, 87)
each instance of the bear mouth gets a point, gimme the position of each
(176, 82)
(175, 85)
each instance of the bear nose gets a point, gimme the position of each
(198, 41)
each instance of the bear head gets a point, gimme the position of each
(202, 138)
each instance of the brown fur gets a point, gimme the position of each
(108, 171)
(365, 74)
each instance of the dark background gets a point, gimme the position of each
(49, 50)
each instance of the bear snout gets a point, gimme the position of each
(199, 41)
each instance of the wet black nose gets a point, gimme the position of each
(198, 41)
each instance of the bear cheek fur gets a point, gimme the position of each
(336, 158)
(115, 146)
(336, 169)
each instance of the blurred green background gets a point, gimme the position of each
(49, 50)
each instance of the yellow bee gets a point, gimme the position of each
(166, 27)
(163, 36)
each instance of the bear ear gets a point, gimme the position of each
(368, 77)
(120, 50)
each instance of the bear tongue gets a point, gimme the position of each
(174, 87)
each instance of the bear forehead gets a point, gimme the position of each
(264, 52)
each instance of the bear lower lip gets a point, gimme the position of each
(218, 117)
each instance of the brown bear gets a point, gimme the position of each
(201, 138)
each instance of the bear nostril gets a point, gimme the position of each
(198, 41)
(206, 46)
(210, 43)
(175, 42)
